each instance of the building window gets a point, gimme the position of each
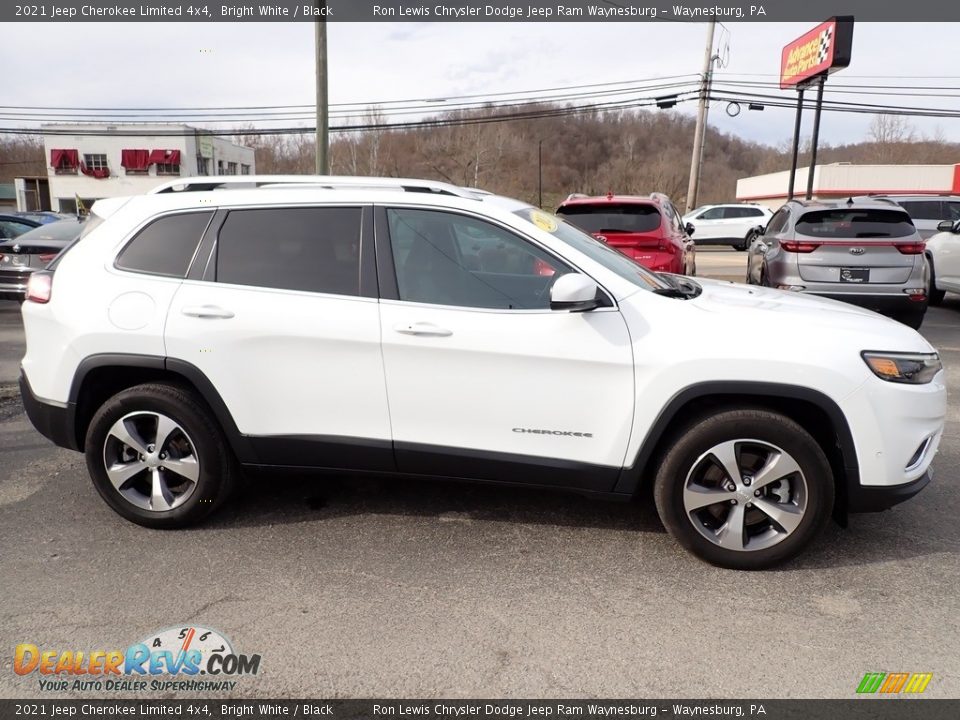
(231, 168)
(219, 167)
(244, 169)
(64, 161)
(203, 166)
(95, 162)
(168, 168)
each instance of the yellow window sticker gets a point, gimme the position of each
(543, 221)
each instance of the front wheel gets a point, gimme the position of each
(745, 489)
(157, 457)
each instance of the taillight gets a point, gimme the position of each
(40, 287)
(914, 248)
(46, 257)
(798, 246)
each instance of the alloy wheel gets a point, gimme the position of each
(745, 495)
(151, 461)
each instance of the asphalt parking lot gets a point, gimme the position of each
(388, 588)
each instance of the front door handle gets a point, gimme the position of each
(210, 312)
(422, 328)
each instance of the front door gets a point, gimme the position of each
(484, 381)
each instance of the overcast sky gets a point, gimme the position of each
(234, 64)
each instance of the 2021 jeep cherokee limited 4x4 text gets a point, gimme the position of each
(400, 326)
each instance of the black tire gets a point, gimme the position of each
(199, 438)
(934, 296)
(745, 244)
(913, 319)
(685, 455)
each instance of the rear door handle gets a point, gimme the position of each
(209, 312)
(422, 328)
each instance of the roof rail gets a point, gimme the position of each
(576, 196)
(201, 184)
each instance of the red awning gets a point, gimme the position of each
(64, 159)
(135, 159)
(165, 157)
(99, 173)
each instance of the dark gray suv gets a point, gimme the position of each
(861, 250)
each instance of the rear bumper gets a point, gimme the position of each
(13, 285)
(54, 422)
(864, 499)
(887, 304)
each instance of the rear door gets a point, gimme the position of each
(283, 321)
(855, 247)
(484, 380)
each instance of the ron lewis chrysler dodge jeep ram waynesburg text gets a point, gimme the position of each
(416, 328)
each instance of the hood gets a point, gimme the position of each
(780, 312)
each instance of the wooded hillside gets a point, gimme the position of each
(636, 151)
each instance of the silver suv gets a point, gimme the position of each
(927, 211)
(863, 251)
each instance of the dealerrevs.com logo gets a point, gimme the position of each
(190, 658)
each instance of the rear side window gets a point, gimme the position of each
(611, 217)
(843, 223)
(924, 209)
(310, 249)
(165, 246)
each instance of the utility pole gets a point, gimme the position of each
(700, 132)
(540, 174)
(323, 121)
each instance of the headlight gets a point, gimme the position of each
(912, 368)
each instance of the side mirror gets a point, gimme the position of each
(690, 229)
(945, 226)
(574, 292)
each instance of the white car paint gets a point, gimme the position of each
(309, 364)
(943, 251)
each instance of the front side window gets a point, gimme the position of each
(313, 249)
(924, 209)
(449, 259)
(165, 246)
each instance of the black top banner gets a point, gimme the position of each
(478, 11)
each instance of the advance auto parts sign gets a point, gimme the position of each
(823, 50)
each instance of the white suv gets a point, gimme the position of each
(410, 327)
(732, 224)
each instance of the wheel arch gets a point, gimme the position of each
(816, 412)
(99, 377)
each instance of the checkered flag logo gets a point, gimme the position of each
(826, 36)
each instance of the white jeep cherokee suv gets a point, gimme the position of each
(409, 327)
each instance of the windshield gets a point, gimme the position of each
(612, 217)
(867, 223)
(611, 259)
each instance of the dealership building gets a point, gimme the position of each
(93, 161)
(842, 180)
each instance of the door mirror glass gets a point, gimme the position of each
(689, 228)
(946, 226)
(574, 292)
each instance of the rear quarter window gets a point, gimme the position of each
(853, 223)
(165, 246)
(612, 217)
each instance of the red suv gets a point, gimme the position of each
(645, 228)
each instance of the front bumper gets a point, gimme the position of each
(866, 499)
(55, 423)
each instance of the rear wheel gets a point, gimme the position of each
(157, 457)
(745, 243)
(934, 296)
(745, 489)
